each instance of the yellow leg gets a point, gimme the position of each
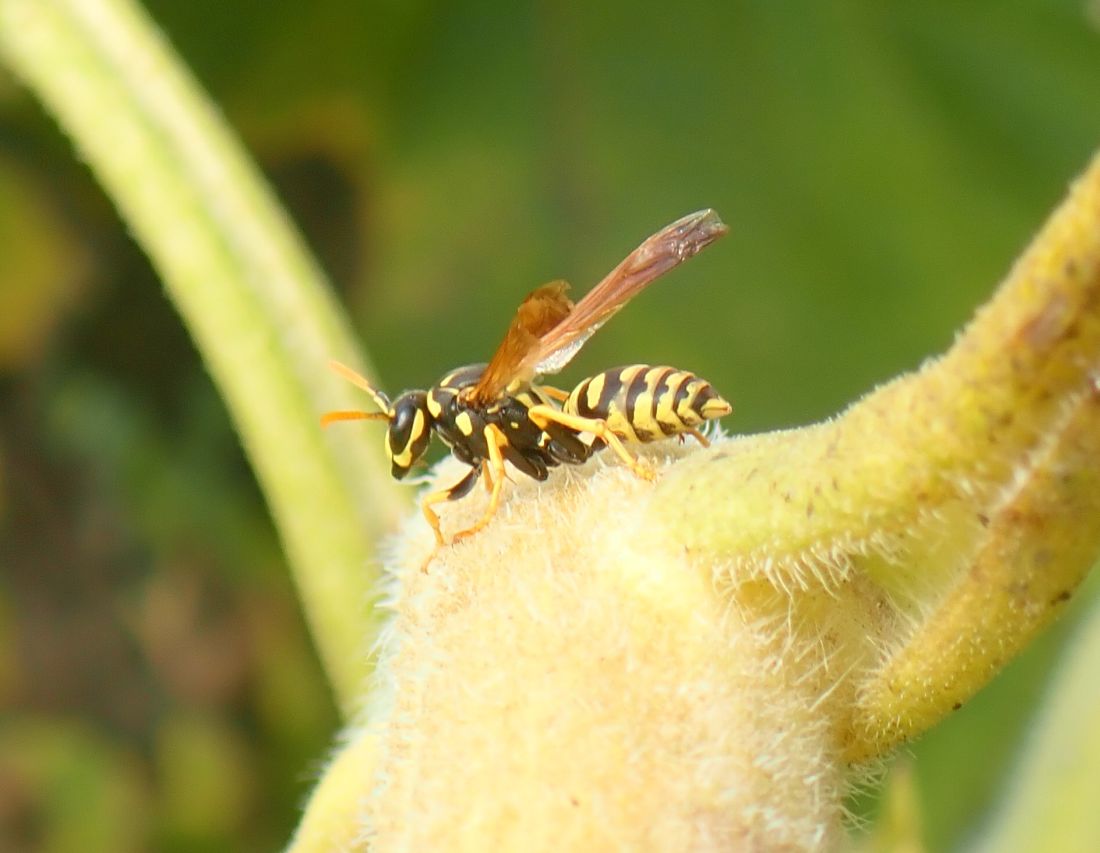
(430, 514)
(543, 415)
(554, 393)
(460, 488)
(494, 472)
(702, 439)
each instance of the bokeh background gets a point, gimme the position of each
(880, 165)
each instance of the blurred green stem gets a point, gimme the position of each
(1051, 800)
(255, 303)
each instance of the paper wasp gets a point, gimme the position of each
(489, 414)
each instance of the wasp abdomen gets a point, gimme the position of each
(641, 403)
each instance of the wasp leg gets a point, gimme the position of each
(495, 439)
(429, 513)
(458, 490)
(702, 439)
(554, 393)
(543, 415)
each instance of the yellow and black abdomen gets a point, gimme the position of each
(641, 403)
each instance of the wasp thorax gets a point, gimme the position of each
(409, 432)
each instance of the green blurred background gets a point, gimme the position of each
(880, 165)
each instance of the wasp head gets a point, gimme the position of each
(410, 423)
(409, 433)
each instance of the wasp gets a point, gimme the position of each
(498, 412)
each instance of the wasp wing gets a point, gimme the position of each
(544, 308)
(661, 252)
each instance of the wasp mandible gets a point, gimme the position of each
(489, 414)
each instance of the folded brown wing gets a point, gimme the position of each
(544, 308)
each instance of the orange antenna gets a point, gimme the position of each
(380, 399)
(352, 415)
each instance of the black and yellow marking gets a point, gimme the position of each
(492, 468)
(546, 416)
(464, 423)
(640, 403)
(527, 427)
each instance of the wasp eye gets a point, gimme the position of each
(409, 432)
(404, 416)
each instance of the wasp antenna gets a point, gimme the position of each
(350, 415)
(380, 399)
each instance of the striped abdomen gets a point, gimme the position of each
(642, 403)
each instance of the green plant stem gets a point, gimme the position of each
(255, 303)
(1051, 802)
